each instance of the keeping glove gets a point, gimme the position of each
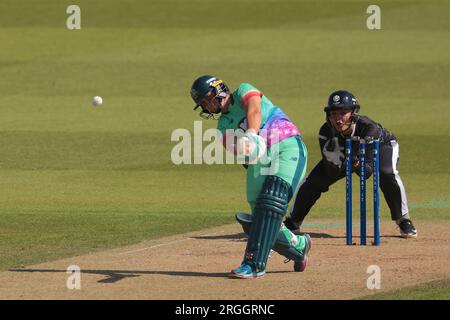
(332, 152)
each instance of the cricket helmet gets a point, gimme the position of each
(206, 89)
(341, 99)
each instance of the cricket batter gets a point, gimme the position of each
(262, 130)
(342, 122)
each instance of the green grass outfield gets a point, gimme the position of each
(435, 290)
(75, 178)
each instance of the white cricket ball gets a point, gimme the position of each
(97, 101)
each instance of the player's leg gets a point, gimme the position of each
(393, 189)
(286, 159)
(293, 162)
(291, 159)
(317, 182)
(294, 247)
(269, 209)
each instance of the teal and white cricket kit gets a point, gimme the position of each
(286, 155)
(271, 183)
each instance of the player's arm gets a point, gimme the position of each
(324, 136)
(332, 156)
(251, 100)
(253, 110)
(251, 144)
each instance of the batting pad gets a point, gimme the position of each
(245, 220)
(287, 244)
(270, 207)
(290, 245)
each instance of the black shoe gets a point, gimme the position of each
(294, 227)
(407, 229)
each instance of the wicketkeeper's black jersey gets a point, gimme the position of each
(365, 127)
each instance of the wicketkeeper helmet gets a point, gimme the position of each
(342, 100)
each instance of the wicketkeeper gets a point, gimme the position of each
(270, 144)
(342, 122)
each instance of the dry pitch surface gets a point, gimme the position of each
(196, 266)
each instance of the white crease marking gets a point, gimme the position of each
(165, 244)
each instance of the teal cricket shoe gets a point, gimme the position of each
(247, 271)
(300, 265)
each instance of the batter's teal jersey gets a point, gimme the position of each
(288, 161)
(236, 116)
(276, 124)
